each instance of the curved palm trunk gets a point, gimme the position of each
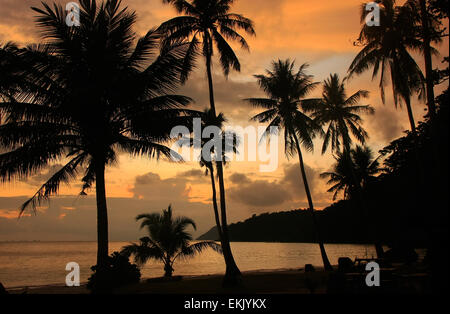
(233, 275)
(214, 199)
(102, 214)
(326, 263)
(412, 123)
(428, 62)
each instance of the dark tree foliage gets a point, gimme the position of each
(119, 272)
(391, 200)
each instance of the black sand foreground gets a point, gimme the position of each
(257, 282)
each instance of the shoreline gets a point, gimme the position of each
(196, 283)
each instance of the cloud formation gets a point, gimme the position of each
(74, 218)
(286, 192)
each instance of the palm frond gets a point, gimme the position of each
(197, 248)
(51, 187)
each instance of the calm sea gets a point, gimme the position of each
(43, 263)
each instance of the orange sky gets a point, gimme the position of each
(318, 32)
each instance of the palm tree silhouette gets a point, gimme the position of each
(10, 71)
(229, 142)
(209, 119)
(386, 48)
(340, 116)
(286, 91)
(208, 155)
(361, 162)
(204, 23)
(428, 31)
(167, 241)
(91, 92)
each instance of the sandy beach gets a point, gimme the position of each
(255, 282)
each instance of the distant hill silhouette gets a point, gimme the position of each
(341, 223)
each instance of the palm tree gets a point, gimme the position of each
(429, 30)
(340, 116)
(386, 48)
(286, 91)
(204, 23)
(208, 157)
(167, 240)
(91, 92)
(361, 162)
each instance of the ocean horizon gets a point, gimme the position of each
(40, 263)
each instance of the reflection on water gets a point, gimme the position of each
(41, 263)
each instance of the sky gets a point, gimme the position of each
(320, 33)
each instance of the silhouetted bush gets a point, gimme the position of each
(2, 289)
(345, 265)
(116, 273)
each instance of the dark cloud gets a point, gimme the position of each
(198, 176)
(260, 194)
(239, 178)
(288, 191)
(386, 124)
(150, 186)
(231, 103)
(293, 180)
(193, 173)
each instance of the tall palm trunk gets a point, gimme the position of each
(102, 214)
(362, 200)
(214, 199)
(428, 62)
(326, 263)
(233, 275)
(412, 123)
